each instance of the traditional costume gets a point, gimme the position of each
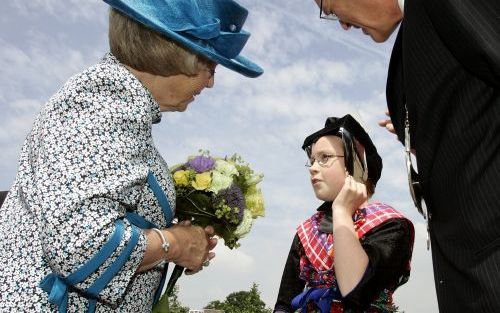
(308, 283)
(387, 238)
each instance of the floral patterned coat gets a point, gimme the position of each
(83, 166)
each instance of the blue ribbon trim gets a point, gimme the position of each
(111, 272)
(139, 221)
(321, 297)
(161, 197)
(57, 286)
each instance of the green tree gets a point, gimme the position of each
(241, 302)
(175, 305)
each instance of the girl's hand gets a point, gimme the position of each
(352, 195)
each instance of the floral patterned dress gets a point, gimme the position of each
(82, 168)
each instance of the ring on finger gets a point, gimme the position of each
(206, 263)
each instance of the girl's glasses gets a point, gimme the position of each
(324, 160)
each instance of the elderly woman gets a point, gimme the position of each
(87, 223)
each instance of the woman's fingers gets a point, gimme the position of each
(209, 230)
(212, 242)
(192, 244)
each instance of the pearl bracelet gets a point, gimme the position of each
(165, 244)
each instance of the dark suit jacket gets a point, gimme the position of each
(446, 66)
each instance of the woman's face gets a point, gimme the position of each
(174, 93)
(327, 180)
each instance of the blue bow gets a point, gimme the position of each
(228, 44)
(57, 289)
(321, 297)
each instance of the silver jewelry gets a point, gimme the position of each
(206, 263)
(165, 245)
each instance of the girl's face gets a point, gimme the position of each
(328, 178)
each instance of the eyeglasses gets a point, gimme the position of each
(414, 180)
(324, 16)
(324, 160)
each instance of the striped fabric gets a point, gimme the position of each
(318, 246)
(445, 66)
(375, 214)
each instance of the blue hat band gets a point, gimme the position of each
(226, 44)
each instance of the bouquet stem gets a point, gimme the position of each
(176, 273)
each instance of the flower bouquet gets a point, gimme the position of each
(221, 192)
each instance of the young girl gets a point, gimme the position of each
(350, 255)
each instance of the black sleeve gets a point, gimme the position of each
(471, 31)
(291, 285)
(389, 247)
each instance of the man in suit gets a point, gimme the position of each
(444, 75)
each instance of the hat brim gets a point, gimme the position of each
(239, 64)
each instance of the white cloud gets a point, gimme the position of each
(72, 9)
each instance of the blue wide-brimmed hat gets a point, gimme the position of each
(211, 28)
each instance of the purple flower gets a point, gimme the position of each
(234, 198)
(201, 164)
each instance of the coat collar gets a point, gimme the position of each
(139, 90)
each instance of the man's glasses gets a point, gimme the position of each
(324, 160)
(324, 16)
(414, 181)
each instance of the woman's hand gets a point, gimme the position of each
(191, 245)
(352, 195)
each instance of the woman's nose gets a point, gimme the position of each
(211, 81)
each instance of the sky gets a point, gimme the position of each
(313, 70)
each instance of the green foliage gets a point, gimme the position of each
(241, 302)
(170, 304)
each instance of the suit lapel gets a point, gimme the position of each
(395, 86)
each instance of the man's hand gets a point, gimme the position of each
(387, 124)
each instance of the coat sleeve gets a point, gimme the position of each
(89, 169)
(291, 285)
(470, 30)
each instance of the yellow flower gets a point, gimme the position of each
(255, 201)
(202, 181)
(181, 178)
